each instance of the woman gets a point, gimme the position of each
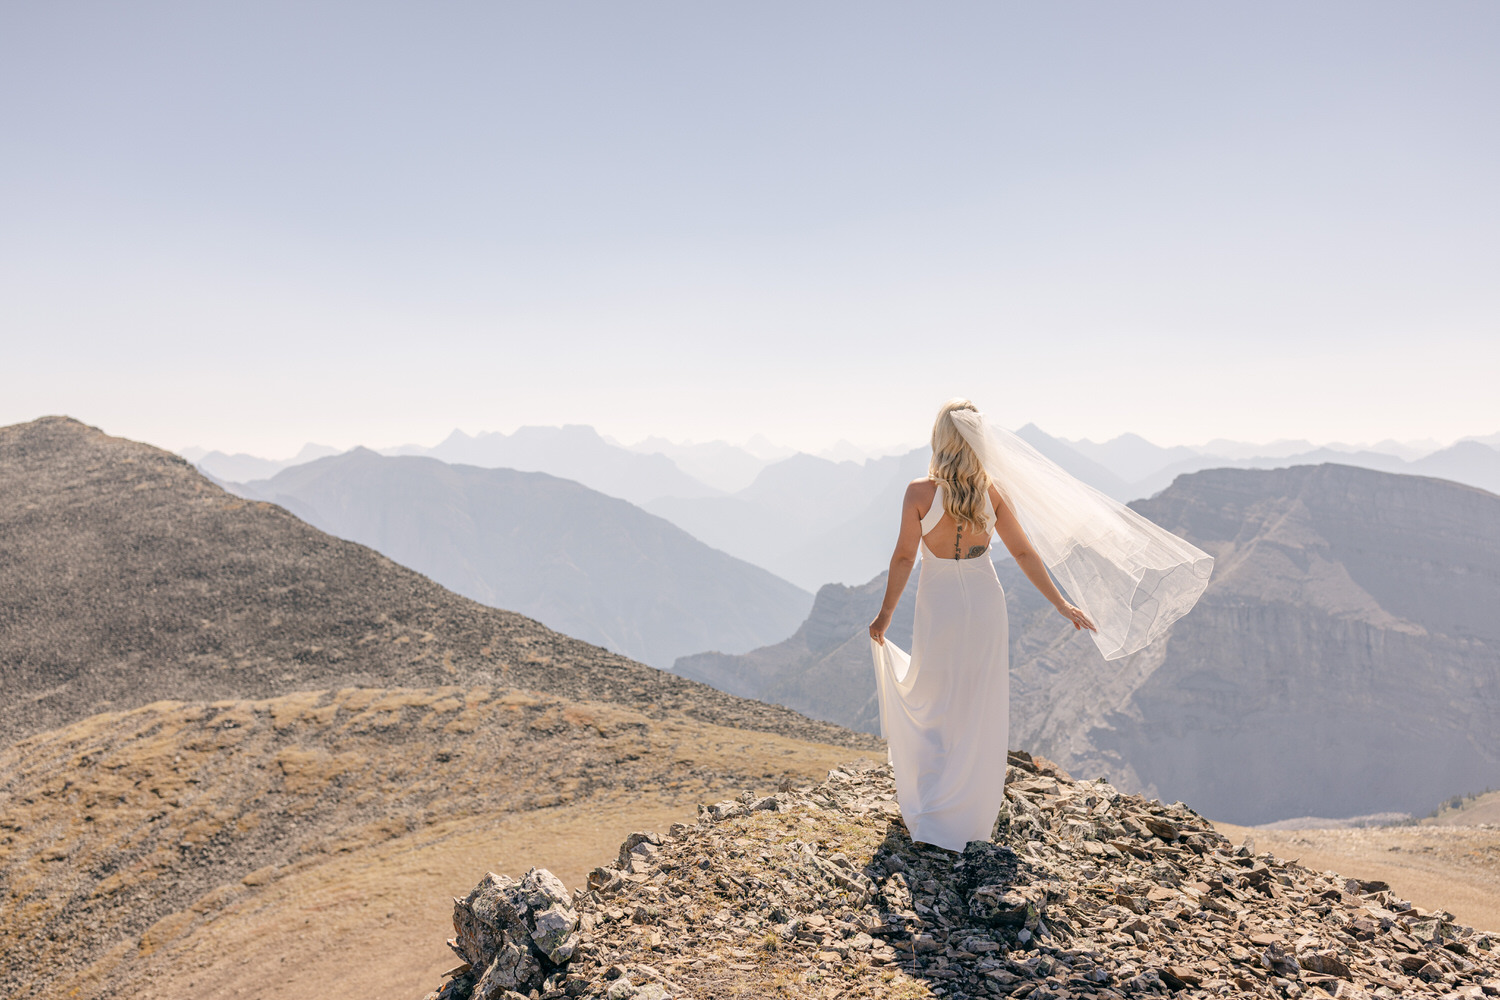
(944, 710)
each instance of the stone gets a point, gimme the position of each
(1327, 963)
(620, 989)
(1160, 828)
(999, 906)
(632, 842)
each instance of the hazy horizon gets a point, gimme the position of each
(867, 449)
(252, 226)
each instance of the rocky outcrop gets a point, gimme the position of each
(512, 936)
(1083, 892)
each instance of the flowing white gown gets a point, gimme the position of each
(945, 709)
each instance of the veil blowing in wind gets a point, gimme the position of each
(1133, 578)
(944, 708)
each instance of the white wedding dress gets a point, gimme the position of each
(945, 709)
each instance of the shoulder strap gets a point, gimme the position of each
(935, 512)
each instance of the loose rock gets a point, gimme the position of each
(1082, 892)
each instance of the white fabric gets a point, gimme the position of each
(1131, 577)
(935, 512)
(945, 709)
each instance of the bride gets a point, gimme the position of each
(944, 709)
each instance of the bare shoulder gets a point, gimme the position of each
(921, 490)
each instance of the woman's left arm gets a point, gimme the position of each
(902, 560)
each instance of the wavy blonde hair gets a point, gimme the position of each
(957, 467)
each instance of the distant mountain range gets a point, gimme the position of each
(586, 564)
(1141, 469)
(814, 520)
(572, 452)
(241, 468)
(1345, 659)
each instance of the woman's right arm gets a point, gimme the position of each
(902, 560)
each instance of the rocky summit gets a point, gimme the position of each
(1082, 892)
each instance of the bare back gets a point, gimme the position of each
(941, 533)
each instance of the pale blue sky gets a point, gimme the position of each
(250, 225)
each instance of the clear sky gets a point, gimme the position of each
(249, 225)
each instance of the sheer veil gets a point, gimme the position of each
(1130, 576)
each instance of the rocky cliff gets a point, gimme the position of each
(1345, 659)
(1083, 892)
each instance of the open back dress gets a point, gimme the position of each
(944, 708)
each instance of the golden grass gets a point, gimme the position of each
(315, 837)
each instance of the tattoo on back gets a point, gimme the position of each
(975, 551)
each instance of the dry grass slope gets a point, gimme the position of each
(134, 844)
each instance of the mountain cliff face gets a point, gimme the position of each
(586, 564)
(1344, 660)
(126, 576)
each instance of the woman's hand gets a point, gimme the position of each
(1076, 616)
(879, 625)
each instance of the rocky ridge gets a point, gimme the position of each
(1082, 892)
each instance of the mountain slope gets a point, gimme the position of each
(824, 667)
(807, 519)
(717, 464)
(248, 721)
(1130, 456)
(812, 521)
(586, 564)
(1347, 638)
(138, 847)
(1344, 660)
(126, 576)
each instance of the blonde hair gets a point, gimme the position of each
(957, 467)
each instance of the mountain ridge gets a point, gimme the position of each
(584, 563)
